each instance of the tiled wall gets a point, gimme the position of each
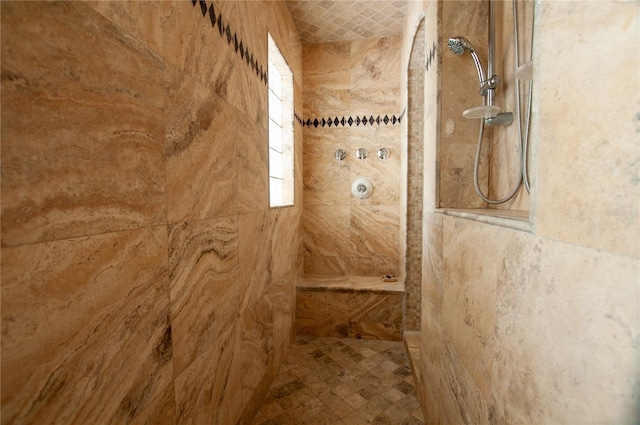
(144, 279)
(459, 86)
(542, 326)
(415, 179)
(344, 235)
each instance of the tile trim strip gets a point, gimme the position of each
(351, 121)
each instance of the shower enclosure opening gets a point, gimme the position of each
(493, 174)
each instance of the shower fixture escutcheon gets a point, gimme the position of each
(383, 154)
(361, 154)
(340, 155)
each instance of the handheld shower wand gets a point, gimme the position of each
(459, 45)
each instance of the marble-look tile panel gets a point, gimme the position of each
(327, 231)
(208, 391)
(86, 336)
(200, 151)
(464, 402)
(374, 265)
(604, 156)
(327, 65)
(325, 265)
(82, 125)
(160, 411)
(322, 102)
(581, 336)
(326, 181)
(256, 343)
(252, 156)
(286, 242)
(203, 274)
(432, 266)
(468, 18)
(376, 101)
(374, 231)
(195, 47)
(141, 19)
(352, 315)
(255, 233)
(431, 357)
(375, 63)
(456, 175)
(283, 294)
(469, 294)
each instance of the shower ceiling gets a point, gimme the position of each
(341, 20)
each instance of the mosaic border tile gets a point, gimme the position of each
(350, 121)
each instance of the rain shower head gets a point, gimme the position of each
(459, 45)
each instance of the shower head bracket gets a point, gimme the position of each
(503, 119)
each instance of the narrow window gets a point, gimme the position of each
(281, 187)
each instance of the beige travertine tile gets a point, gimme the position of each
(327, 65)
(361, 405)
(203, 273)
(209, 389)
(253, 171)
(127, 15)
(213, 63)
(456, 175)
(374, 231)
(86, 320)
(200, 150)
(361, 315)
(581, 308)
(160, 411)
(254, 255)
(327, 231)
(593, 202)
(374, 63)
(82, 132)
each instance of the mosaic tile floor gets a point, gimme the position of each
(339, 381)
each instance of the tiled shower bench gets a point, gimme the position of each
(349, 307)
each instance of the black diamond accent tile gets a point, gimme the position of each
(235, 42)
(324, 122)
(329, 122)
(315, 122)
(343, 121)
(228, 32)
(241, 50)
(212, 15)
(246, 57)
(378, 120)
(194, 2)
(386, 119)
(203, 7)
(308, 122)
(350, 121)
(357, 121)
(394, 120)
(220, 24)
(336, 121)
(371, 120)
(364, 120)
